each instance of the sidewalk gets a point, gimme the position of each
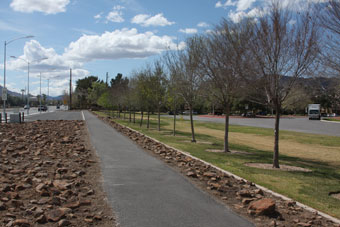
(144, 192)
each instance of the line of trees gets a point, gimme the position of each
(259, 62)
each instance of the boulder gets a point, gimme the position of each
(263, 207)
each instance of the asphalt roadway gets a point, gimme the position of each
(142, 190)
(290, 124)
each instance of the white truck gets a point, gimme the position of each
(314, 111)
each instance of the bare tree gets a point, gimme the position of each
(183, 66)
(282, 52)
(223, 58)
(330, 20)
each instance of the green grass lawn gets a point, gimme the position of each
(319, 153)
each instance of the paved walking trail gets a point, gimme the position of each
(144, 192)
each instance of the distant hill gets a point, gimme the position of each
(12, 93)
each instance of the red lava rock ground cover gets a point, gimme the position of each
(261, 208)
(49, 176)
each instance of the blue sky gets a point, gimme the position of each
(97, 36)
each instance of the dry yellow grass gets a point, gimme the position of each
(330, 155)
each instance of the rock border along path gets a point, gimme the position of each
(298, 213)
(143, 191)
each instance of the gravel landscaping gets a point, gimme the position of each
(49, 176)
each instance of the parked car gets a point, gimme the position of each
(42, 108)
(26, 107)
(187, 112)
(248, 114)
(172, 112)
(58, 106)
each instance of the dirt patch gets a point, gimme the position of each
(335, 195)
(282, 167)
(199, 142)
(261, 208)
(49, 176)
(230, 152)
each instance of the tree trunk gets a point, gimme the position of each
(159, 118)
(130, 114)
(192, 126)
(124, 114)
(226, 128)
(276, 143)
(148, 125)
(141, 119)
(134, 116)
(174, 132)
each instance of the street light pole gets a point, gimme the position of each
(5, 45)
(40, 96)
(28, 88)
(28, 80)
(4, 78)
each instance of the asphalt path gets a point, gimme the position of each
(290, 124)
(145, 192)
(56, 115)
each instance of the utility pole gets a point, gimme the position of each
(48, 89)
(70, 104)
(22, 94)
(40, 96)
(107, 77)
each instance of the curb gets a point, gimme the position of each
(335, 220)
(330, 121)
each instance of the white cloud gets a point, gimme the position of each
(56, 67)
(116, 15)
(125, 43)
(202, 25)
(8, 27)
(98, 16)
(188, 30)
(34, 52)
(219, 4)
(44, 6)
(243, 5)
(85, 31)
(147, 20)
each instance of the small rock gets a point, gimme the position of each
(191, 174)
(22, 223)
(304, 224)
(2, 206)
(55, 215)
(41, 219)
(63, 223)
(262, 207)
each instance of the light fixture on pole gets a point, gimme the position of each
(4, 93)
(28, 79)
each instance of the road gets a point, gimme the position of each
(32, 111)
(142, 190)
(290, 124)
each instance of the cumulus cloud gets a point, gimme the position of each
(44, 6)
(202, 25)
(244, 4)
(188, 30)
(98, 16)
(34, 52)
(219, 4)
(56, 67)
(125, 43)
(148, 20)
(116, 15)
